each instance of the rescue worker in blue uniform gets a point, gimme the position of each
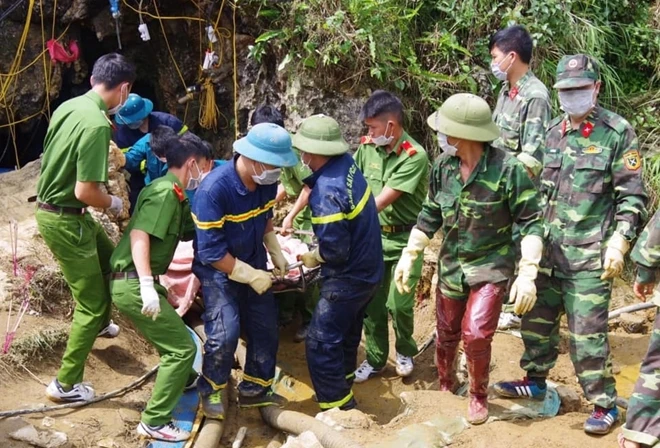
(233, 219)
(350, 252)
(135, 120)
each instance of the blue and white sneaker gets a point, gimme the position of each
(601, 420)
(79, 392)
(524, 388)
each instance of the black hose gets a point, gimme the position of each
(10, 10)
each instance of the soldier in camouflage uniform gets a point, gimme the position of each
(595, 201)
(523, 107)
(643, 418)
(477, 193)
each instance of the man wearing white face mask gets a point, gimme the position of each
(523, 107)
(233, 214)
(396, 168)
(595, 202)
(74, 163)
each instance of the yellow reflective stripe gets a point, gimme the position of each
(337, 404)
(340, 216)
(125, 150)
(259, 381)
(143, 166)
(350, 375)
(213, 385)
(183, 130)
(205, 225)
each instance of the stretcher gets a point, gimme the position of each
(298, 279)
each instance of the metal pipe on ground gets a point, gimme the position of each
(296, 422)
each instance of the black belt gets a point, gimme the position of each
(128, 276)
(397, 229)
(58, 209)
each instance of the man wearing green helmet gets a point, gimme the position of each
(477, 193)
(345, 221)
(233, 219)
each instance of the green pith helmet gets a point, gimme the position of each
(577, 70)
(465, 116)
(320, 134)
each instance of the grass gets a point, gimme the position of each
(37, 346)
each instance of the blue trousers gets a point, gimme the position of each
(333, 340)
(230, 307)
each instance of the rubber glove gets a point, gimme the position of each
(523, 290)
(116, 205)
(617, 247)
(258, 279)
(275, 251)
(150, 299)
(312, 258)
(417, 242)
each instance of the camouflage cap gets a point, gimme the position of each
(576, 70)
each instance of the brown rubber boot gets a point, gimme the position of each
(449, 314)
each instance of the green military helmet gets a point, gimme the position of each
(577, 70)
(465, 116)
(320, 134)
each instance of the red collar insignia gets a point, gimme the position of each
(179, 192)
(365, 140)
(513, 92)
(563, 128)
(587, 129)
(407, 147)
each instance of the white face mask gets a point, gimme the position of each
(577, 103)
(267, 177)
(116, 109)
(497, 69)
(381, 140)
(135, 126)
(302, 161)
(445, 146)
(194, 182)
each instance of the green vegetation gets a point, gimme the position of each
(429, 49)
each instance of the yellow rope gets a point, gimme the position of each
(16, 63)
(208, 110)
(45, 61)
(162, 27)
(233, 38)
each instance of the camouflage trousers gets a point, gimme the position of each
(643, 419)
(585, 302)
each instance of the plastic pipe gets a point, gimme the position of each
(630, 309)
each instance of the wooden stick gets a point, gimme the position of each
(240, 436)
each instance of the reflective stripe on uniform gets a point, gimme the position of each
(143, 166)
(125, 150)
(338, 403)
(183, 130)
(213, 385)
(205, 225)
(340, 216)
(259, 381)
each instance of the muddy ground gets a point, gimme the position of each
(113, 364)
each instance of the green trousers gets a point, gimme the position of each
(169, 335)
(586, 303)
(83, 250)
(400, 306)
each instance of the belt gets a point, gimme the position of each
(58, 209)
(128, 276)
(397, 229)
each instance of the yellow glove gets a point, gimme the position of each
(417, 242)
(523, 290)
(617, 247)
(258, 279)
(312, 258)
(275, 251)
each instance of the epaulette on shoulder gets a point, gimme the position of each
(366, 140)
(555, 122)
(407, 147)
(615, 121)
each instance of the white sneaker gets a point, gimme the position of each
(166, 433)
(404, 365)
(508, 321)
(111, 331)
(364, 372)
(79, 392)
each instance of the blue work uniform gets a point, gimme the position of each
(125, 137)
(345, 222)
(191, 193)
(141, 156)
(230, 219)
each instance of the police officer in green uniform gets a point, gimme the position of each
(75, 161)
(396, 168)
(161, 219)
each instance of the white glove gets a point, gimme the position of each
(617, 247)
(116, 205)
(150, 298)
(312, 258)
(523, 290)
(275, 251)
(258, 279)
(417, 242)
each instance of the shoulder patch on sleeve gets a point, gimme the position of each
(366, 140)
(632, 160)
(179, 192)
